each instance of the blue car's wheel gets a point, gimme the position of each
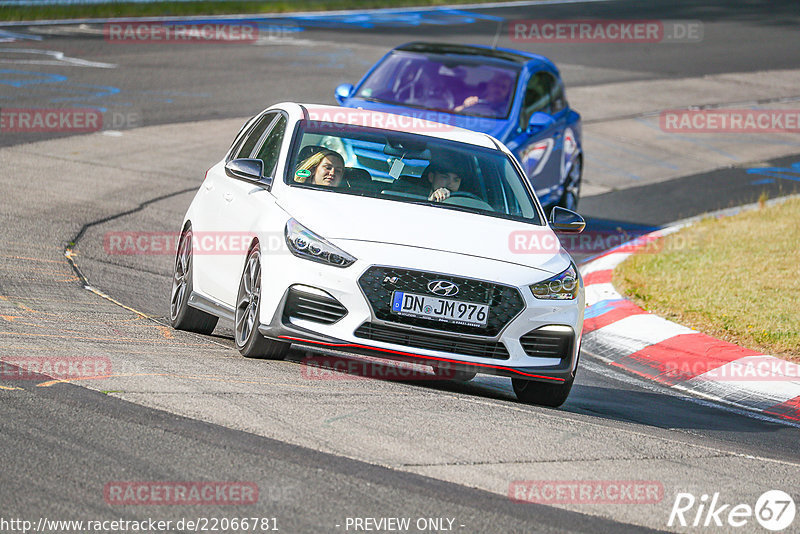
(572, 186)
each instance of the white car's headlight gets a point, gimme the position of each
(306, 244)
(563, 286)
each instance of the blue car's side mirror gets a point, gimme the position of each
(343, 92)
(539, 121)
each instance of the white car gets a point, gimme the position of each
(447, 259)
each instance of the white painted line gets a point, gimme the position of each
(635, 333)
(606, 262)
(597, 292)
(57, 58)
(782, 383)
(680, 391)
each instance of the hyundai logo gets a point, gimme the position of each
(442, 288)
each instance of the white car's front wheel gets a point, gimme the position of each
(541, 393)
(249, 340)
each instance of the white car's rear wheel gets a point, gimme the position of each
(249, 340)
(181, 315)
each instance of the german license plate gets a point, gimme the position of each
(445, 310)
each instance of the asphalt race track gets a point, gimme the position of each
(326, 449)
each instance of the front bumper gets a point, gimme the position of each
(346, 333)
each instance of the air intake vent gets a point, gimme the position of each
(420, 340)
(547, 344)
(312, 305)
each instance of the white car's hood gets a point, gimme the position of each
(341, 217)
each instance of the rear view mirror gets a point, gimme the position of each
(539, 121)
(565, 221)
(343, 92)
(245, 169)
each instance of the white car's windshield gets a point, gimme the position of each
(412, 168)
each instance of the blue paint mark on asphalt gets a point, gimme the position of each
(89, 92)
(762, 182)
(366, 20)
(82, 95)
(788, 173)
(601, 308)
(401, 19)
(21, 78)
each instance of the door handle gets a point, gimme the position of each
(228, 197)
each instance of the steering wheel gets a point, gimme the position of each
(467, 200)
(482, 107)
(439, 94)
(464, 194)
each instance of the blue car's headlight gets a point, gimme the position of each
(306, 244)
(563, 286)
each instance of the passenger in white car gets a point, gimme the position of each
(325, 167)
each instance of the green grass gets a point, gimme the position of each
(735, 278)
(201, 7)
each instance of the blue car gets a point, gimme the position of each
(516, 97)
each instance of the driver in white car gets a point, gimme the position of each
(443, 180)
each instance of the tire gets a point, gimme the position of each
(181, 315)
(247, 315)
(572, 186)
(541, 393)
(453, 374)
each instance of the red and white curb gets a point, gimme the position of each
(624, 335)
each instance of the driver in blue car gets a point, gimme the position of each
(494, 97)
(444, 180)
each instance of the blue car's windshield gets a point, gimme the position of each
(455, 84)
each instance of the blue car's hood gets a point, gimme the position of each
(494, 127)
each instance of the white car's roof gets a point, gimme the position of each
(386, 121)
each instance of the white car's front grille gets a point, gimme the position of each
(379, 283)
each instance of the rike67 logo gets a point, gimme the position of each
(774, 510)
